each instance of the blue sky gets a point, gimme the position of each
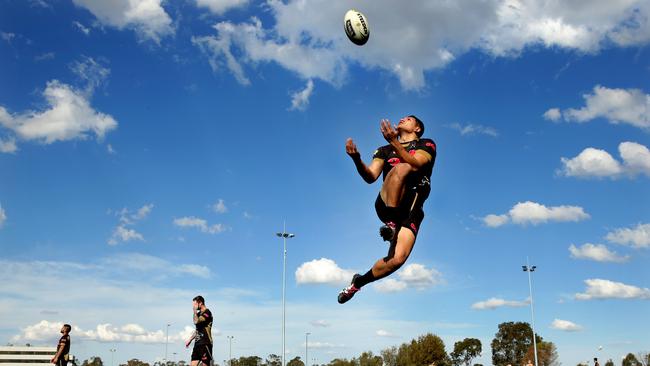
(150, 150)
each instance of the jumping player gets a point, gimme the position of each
(202, 337)
(62, 355)
(406, 164)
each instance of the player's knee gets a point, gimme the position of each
(397, 261)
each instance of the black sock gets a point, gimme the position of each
(364, 280)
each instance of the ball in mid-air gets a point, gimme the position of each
(356, 27)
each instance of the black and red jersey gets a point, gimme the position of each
(204, 328)
(420, 178)
(64, 343)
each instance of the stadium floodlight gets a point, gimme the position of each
(529, 269)
(284, 235)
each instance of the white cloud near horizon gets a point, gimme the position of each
(146, 17)
(494, 302)
(629, 106)
(598, 289)
(413, 275)
(596, 252)
(596, 163)
(529, 212)
(565, 325)
(138, 262)
(322, 271)
(303, 39)
(637, 237)
(384, 333)
(320, 323)
(199, 223)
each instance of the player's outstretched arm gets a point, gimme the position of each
(368, 173)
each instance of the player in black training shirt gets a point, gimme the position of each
(202, 351)
(63, 348)
(406, 164)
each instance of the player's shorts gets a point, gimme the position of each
(62, 361)
(410, 210)
(203, 353)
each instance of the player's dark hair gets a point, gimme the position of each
(67, 327)
(420, 124)
(199, 299)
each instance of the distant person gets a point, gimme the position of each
(596, 362)
(202, 337)
(405, 165)
(63, 348)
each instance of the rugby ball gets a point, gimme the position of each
(356, 27)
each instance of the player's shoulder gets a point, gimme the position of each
(207, 312)
(427, 142)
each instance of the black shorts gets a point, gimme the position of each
(203, 353)
(410, 210)
(61, 362)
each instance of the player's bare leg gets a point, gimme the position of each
(391, 193)
(398, 253)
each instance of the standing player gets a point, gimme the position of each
(202, 337)
(406, 164)
(63, 348)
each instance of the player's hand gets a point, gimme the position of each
(351, 148)
(388, 130)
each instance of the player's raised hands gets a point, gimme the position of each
(388, 130)
(351, 148)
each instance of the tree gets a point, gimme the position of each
(428, 349)
(609, 362)
(296, 361)
(135, 362)
(247, 361)
(341, 362)
(644, 358)
(546, 354)
(93, 361)
(511, 343)
(368, 359)
(273, 360)
(630, 360)
(465, 351)
(389, 356)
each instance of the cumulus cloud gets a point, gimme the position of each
(300, 99)
(565, 325)
(493, 303)
(534, 213)
(596, 252)
(8, 146)
(132, 333)
(302, 38)
(413, 275)
(629, 106)
(219, 7)
(83, 29)
(472, 129)
(637, 237)
(91, 72)
(146, 17)
(606, 289)
(320, 323)
(553, 114)
(69, 116)
(384, 333)
(220, 206)
(199, 223)
(323, 271)
(596, 163)
(122, 233)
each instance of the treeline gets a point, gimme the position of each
(512, 345)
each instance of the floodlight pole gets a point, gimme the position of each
(284, 235)
(166, 342)
(307, 348)
(230, 350)
(529, 269)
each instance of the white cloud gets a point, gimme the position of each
(630, 106)
(323, 271)
(411, 276)
(81, 27)
(69, 117)
(596, 252)
(121, 235)
(110, 149)
(300, 99)
(565, 325)
(199, 223)
(321, 323)
(93, 73)
(3, 216)
(220, 206)
(606, 289)
(144, 263)
(7, 36)
(303, 38)
(147, 17)
(471, 129)
(637, 237)
(596, 163)
(553, 114)
(493, 303)
(219, 7)
(384, 333)
(8, 146)
(534, 213)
